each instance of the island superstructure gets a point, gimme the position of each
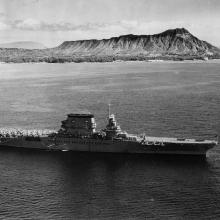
(78, 133)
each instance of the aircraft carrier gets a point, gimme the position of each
(78, 133)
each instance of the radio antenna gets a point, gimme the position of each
(109, 109)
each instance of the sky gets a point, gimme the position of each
(53, 21)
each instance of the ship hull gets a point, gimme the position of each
(108, 146)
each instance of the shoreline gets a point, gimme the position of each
(123, 61)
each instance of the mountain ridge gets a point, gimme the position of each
(172, 44)
(149, 44)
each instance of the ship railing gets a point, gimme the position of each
(15, 133)
(148, 140)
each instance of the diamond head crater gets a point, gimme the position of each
(173, 44)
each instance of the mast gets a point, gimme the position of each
(109, 110)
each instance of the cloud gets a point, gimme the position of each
(73, 31)
(28, 24)
(3, 26)
(2, 15)
(32, 24)
(123, 26)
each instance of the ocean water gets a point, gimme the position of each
(180, 99)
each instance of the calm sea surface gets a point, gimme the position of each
(158, 99)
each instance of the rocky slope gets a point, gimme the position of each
(174, 44)
(176, 41)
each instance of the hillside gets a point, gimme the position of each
(177, 41)
(23, 45)
(173, 44)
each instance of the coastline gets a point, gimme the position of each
(124, 61)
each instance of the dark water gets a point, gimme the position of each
(162, 99)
